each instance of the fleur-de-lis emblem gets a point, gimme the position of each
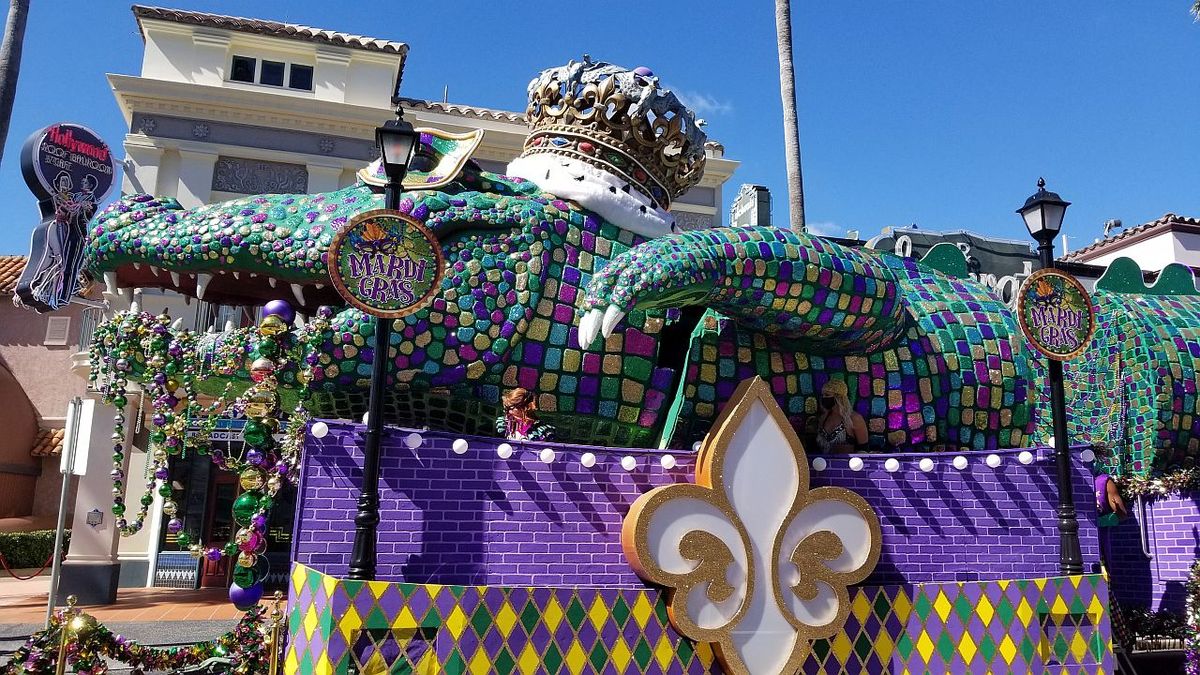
(753, 560)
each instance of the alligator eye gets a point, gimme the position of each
(612, 189)
(653, 204)
(626, 188)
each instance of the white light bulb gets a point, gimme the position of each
(696, 446)
(993, 461)
(892, 465)
(856, 464)
(366, 416)
(413, 441)
(1087, 455)
(819, 464)
(1050, 442)
(628, 463)
(319, 429)
(925, 464)
(1026, 457)
(667, 461)
(960, 462)
(546, 455)
(588, 460)
(504, 450)
(459, 447)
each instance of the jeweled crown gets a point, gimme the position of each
(619, 120)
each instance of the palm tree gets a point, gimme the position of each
(1196, 10)
(10, 63)
(791, 127)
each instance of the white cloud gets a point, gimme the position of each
(704, 104)
(825, 229)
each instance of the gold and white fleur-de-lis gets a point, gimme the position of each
(754, 561)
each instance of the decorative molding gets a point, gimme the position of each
(281, 138)
(147, 125)
(686, 220)
(245, 176)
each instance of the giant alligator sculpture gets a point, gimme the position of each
(565, 278)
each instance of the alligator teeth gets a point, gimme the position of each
(229, 325)
(298, 291)
(175, 279)
(134, 308)
(110, 283)
(237, 275)
(319, 286)
(612, 316)
(177, 324)
(202, 280)
(272, 281)
(589, 327)
(155, 271)
(300, 319)
(137, 266)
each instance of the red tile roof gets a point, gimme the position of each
(11, 267)
(1168, 221)
(48, 442)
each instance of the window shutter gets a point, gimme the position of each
(57, 329)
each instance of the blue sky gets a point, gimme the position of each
(937, 113)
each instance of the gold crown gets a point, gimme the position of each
(618, 120)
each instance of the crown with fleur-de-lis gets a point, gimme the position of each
(619, 120)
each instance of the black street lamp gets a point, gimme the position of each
(397, 140)
(1043, 214)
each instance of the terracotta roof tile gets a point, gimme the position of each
(1098, 246)
(11, 267)
(272, 28)
(49, 442)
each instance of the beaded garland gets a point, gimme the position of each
(170, 363)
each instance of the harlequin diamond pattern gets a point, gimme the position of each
(1055, 625)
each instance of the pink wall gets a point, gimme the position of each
(44, 372)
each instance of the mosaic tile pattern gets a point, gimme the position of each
(1134, 391)
(1043, 625)
(958, 377)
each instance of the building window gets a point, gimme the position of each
(272, 73)
(301, 77)
(243, 69)
(57, 329)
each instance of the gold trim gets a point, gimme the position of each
(1070, 280)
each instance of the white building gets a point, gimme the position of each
(1152, 245)
(225, 107)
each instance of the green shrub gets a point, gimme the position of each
(23, 550)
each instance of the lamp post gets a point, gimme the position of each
(396, 139)
(1043, 214)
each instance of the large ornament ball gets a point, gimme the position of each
(643, 71)
(255, 433)
(319, 429)
(272, 325)
(244, 508)
(504, 450)
(281, 309)
(460, 446)
(183, 539)
(247, 560)
(588, 460)
(261, 368)
(413, 441)
(245, 598)
(252, 478)
(248, 576)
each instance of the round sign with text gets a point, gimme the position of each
(68, 163)
(1056, 314)
(386, 263)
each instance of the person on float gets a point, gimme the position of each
(839, 429)
(519, 421)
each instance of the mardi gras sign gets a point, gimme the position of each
(386, 263)
(1056, 314)
(70, 170)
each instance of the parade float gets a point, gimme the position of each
(679, 522)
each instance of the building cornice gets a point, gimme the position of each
(1169, 223)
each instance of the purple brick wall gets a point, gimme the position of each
(1166, 528)
(477, 519)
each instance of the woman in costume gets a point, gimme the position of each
(519, 421)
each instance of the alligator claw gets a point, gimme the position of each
(589, 327)
(612, 317)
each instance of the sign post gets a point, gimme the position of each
(389, 265)
(70, 170)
